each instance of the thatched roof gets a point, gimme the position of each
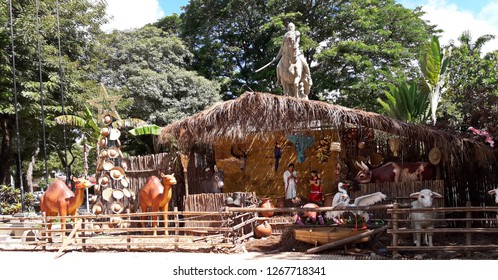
(256, 113)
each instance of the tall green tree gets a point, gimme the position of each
(80, 22)
(151, 67)
(472, 92)
(354, 47)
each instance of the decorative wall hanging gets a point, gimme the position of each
(323, 149)
(277, 152)
(301, 143)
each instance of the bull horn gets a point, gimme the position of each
(365, 167)
(359, 165)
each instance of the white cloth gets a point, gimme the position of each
(290, 181)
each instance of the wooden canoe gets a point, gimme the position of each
(325, 235)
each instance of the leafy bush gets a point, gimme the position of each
(10, 200)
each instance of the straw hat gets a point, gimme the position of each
(376, 159)
(115, 133)
(107, 119)
(107, 193)
(108, 165)
(127, 192)
(104, 154)
(435, 155)
(394, 144)
(113, 152)
(97, 208)
(117, 173)
(104, 131)
(124, 165)
(103, 142)
(118, 194)
(100, 166)
(117, 207)
(125, 182)
(104, 180)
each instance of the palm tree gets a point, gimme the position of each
(474, 47)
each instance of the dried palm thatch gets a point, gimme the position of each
(256, 113)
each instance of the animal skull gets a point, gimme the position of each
(241, 158)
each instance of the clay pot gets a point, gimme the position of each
(266, 203)
(280, 202)
(262, 230)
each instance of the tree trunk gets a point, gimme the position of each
(5, 153)
(29, 172)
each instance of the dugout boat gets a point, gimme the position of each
(325, 235)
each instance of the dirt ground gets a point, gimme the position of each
(377, 245)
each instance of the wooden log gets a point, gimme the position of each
(69, 239)
(345, 240)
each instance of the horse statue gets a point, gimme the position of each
(292, 69)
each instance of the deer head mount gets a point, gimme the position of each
(241, 158)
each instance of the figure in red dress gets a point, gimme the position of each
(316, 194)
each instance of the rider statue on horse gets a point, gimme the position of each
(293, 71)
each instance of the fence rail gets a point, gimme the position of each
(468, 229)
(125, 231)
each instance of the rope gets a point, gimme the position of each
(61, 76)
(41, 94)
(16, 104)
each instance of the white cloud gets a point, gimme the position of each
(129, 14)
(454, 21)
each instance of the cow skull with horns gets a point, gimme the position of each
(241, 158)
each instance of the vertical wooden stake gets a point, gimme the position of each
(43, 231)
(177, 223)
(395, 227)
(468, 225)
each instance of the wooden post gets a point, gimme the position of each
(395, 227)
(185, 159)
(83, 240)
(69, 239)
(43, 231)
(177, 223)
(468, 225)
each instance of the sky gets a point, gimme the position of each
(453, 16)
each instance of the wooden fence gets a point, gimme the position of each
(125, 232)
(470, 226)
(399, 192)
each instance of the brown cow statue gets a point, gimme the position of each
(395, 172)
(156, 194)
(59, 199)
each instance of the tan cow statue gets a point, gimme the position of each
(59, 199)
(156, 194)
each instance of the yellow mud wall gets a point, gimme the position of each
(259, 175)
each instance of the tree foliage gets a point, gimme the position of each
(354, 47)
(406, 102)
(80, 22)
(434, 65)
(151, 67)
(472, 96)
